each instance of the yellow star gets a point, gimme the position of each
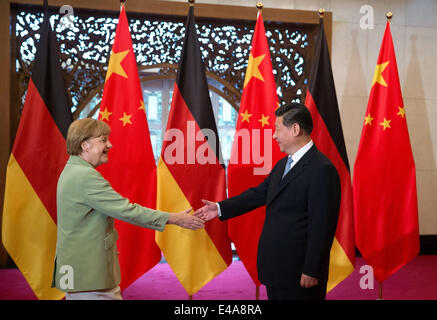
(377, 76)
(401, 112)
(246, 116)
(264, 120)
(385, 123)
(105, 114)
(126, 119)
(277, 106)
(368, 120)
(142, 106)
(115, 64)
(253, 68)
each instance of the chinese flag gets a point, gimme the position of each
(327, 134)
(38, 157)
(384, 180)
(131, 169)
(190, 170)
(254, 153)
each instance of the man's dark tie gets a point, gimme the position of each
(287, 166)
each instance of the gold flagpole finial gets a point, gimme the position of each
(259, 5)
(122, 4)
(191, 2)
(321, 13)
(389, 15)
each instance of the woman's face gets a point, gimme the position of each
(95, 150)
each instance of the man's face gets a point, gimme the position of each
(285, 136)
(96, 150)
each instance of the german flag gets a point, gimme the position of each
(38, 156)
(190, 170)
(327, 134)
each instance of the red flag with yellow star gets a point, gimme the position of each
(131, 169)
(254, 152)
(384, 180)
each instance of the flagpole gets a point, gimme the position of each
(259, 7)
(191, 3)
(122, 3)
(321, 13)
(380, 292)
(389, 15)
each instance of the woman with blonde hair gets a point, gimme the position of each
(86, 263)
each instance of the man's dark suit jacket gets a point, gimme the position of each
(301, 219)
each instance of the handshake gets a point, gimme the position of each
(196, 221)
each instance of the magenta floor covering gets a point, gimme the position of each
(415, 281)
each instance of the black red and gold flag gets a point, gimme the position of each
(327, 135)
(190, 170)
(38, 156)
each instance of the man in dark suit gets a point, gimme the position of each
(302, 197)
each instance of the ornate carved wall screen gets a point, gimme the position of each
(157, 39)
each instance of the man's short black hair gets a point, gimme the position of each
(294, 112)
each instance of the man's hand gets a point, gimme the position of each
(308, 282)
(185, 220)
(208, 212)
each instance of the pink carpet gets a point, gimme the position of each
(415, 281)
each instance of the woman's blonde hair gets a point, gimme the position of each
(83, 129)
